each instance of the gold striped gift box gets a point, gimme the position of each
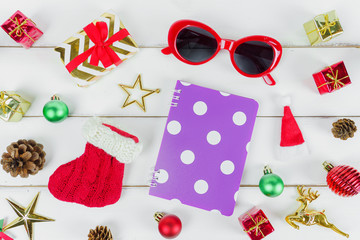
(86, 74)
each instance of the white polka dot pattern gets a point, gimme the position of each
(185, 83)
(227, 167)
(236, 195)
(248, 146)
(225, 94)
(200, 108)
(213, 137)
(174, 127)
(187, 157)
(201, 186)
(162, 176)
(239, 118)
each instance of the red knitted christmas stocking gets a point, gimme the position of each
(95, 178)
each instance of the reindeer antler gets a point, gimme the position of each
(310, 195)
(313, 195)
(301, 190)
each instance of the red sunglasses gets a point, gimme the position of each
(196, 43)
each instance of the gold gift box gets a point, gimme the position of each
(323, 28)
(86, 74)
(13, 106)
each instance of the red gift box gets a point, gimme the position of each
(256, 224)
(22, 29)
(332, 78)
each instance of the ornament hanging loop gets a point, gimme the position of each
(55, 97)
(267, 170)
(158, 216)
(328, 166)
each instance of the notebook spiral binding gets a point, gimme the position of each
(175, 97)
(155, 175)
(155, 178)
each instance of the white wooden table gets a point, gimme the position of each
(38, 73)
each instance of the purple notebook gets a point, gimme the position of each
(204, 148)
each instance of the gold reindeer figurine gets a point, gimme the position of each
(308, 218)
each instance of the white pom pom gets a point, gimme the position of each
(285, 101)
(293, 152)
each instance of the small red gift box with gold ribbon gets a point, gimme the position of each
(256, 224)
(332, 78)
(22, 29)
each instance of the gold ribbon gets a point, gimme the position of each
(326, 27)
(260, 220)
(335, 81)
(3, 98)
(19, 31)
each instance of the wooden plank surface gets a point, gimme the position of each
(149, 21)
(64, 142)
(42, 74)
(38, 73)
(132, 217)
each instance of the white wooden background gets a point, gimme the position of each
(38, 73)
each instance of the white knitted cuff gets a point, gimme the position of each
(123, 148)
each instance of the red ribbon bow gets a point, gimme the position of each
(101, 51)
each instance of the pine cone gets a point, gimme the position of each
(344, 128)
(23, 157)
(100, 233)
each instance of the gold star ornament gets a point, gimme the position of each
(26, 216)
(137, 86)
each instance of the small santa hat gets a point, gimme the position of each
(292, 142)
(290, 132)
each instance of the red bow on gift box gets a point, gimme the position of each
(101, 51)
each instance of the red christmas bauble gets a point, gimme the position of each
(169, 225)
(343, 180)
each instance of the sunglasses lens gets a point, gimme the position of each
(196, 44)
(254, 57)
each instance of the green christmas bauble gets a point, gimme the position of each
(271, 184)
(55, 110)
